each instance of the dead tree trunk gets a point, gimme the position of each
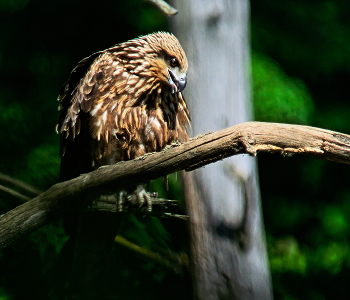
(228, 250)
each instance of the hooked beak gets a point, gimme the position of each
(177, 84)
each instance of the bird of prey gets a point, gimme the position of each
(121, 103)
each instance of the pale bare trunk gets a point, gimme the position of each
(228, 249)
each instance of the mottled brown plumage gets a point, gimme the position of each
(123, 102)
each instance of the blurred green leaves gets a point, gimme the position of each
(301, 72)
(12, 5)
(285, 255)
(334, 222)
(3, 295)
(43, 165)
(278, 97)
(330, 257)
(11, 113)
(13, 123)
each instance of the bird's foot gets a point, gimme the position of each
(137, 199)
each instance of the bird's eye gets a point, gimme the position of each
(174, 62)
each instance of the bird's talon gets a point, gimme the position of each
(122, 198)
(153, 195)
(149, 202)
(144, 197)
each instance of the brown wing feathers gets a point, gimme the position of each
(117, 105)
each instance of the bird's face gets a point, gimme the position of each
(170, 72)
(177, 76)
(170, 63)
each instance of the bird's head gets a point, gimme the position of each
(169, 62)
(172, 61)
(164, 61)
(175, 73)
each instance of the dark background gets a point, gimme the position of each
(301, 74)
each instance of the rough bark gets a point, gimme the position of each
(247, 138)
(229, 257)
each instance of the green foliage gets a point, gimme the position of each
(277, 97)
(305, 201)
(12, 5)
(3, 294)
(334, 222)
(286, 256)
(12, 114)
(42, 165)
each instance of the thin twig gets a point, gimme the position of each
(25, 186)
(174, 262)
(164, 7)
(14, 193)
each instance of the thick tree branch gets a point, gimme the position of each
(251, 137)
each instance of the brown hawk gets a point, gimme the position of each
(118, 104)
(123, 102)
